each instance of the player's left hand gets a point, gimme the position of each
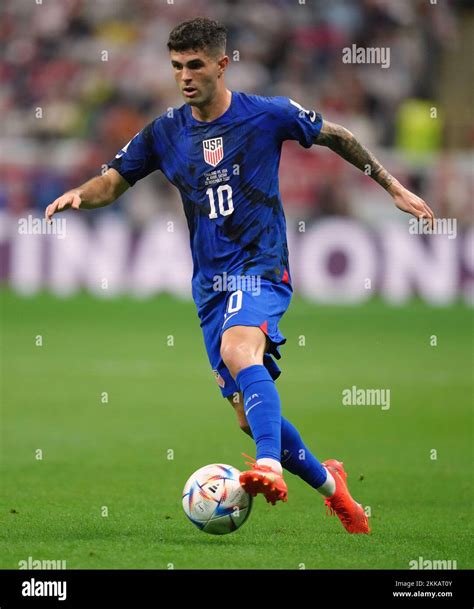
(410, 203)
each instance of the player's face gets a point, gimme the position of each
(196, 75)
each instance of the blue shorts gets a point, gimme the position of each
(261, 308)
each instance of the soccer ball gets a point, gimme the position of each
(214, 501)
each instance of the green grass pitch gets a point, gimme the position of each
(163, 398)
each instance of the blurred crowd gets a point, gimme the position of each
(80, 77)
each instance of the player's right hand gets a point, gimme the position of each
(68, 200)
(410, 203)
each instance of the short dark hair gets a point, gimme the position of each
(198, 33)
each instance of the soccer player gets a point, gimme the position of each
(221, 149)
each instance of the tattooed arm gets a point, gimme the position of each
(342, 142)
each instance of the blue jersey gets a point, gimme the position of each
(226, 171)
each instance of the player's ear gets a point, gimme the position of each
(223, 62)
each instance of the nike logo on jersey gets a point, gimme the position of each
(311, 114)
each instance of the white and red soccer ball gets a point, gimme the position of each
(214, 501)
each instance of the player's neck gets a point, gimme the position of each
(216, 108)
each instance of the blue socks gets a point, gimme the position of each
(297, 459)
(262, 409)
(275, 437)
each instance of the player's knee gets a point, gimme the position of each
(236, 356)
(229, 355)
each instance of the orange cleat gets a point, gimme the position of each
(265, 480)
(349, 512)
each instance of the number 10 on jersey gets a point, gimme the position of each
(224, 199)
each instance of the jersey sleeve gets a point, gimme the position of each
(139, 157)
(295, 122)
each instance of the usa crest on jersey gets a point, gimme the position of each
(213, 150)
